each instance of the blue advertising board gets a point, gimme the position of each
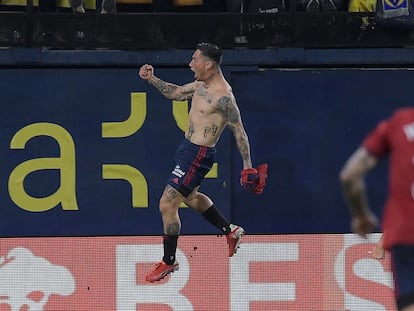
(87, 151)
(305, 123)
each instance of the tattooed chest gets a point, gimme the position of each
(204, 95)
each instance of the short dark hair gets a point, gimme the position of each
(211, 51)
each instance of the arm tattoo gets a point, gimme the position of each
(353, 180)
(184, 94)
(227, 109)
(242, 140)
(172, 91)
(164, 87)
(243, 145)
(231, 115)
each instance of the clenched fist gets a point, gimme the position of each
(146, 72)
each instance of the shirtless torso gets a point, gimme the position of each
(207, 114)
(213, 105)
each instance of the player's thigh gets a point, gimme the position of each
(192, 196)
(170, 199)
(198, 201)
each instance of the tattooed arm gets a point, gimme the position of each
(352, 179)
(169, 90)
(231, 113)
(173, 91)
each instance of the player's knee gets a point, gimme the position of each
(167, 206)
(164, 207)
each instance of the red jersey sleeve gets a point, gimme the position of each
(376, 142)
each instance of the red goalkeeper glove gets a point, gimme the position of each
(254, 180)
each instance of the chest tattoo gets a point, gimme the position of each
(202, 92)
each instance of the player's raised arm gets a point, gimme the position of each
(169, 90)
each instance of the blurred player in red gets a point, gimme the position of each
(213, 108)
(393, 137)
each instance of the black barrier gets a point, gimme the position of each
(138, 31)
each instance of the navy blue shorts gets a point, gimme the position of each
(192, 163)
(403, 273)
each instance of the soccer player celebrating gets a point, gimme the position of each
(213, 108)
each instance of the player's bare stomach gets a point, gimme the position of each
(202, 141)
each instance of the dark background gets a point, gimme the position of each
(309, 87)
